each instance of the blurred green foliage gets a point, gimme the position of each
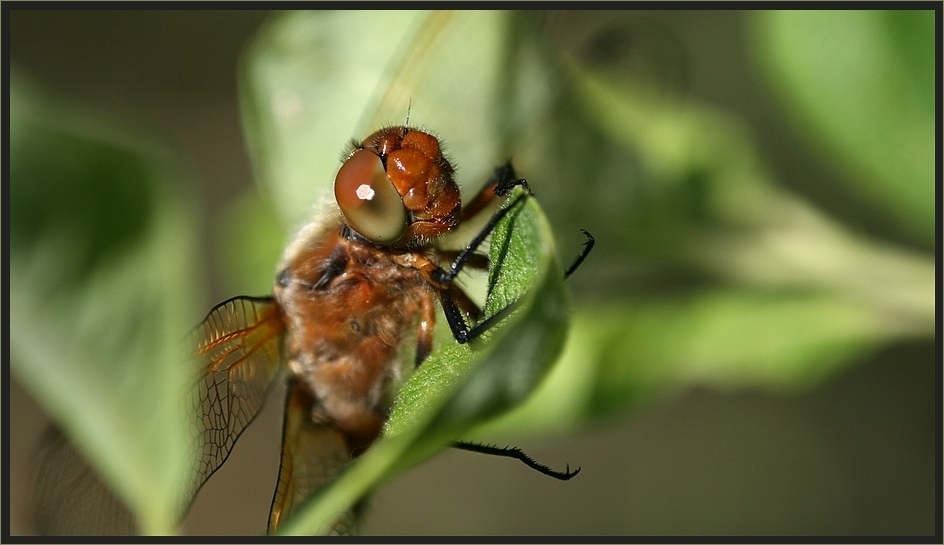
(101, 242)
(707, 269)
(861, 84)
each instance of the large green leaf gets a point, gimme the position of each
(100, 256)
(741, 227)
(863, 82)
(312, 81)
(800, 297)
(298, 75)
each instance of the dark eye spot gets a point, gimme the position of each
(284, 278)
(355, 325)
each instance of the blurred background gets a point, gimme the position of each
(846, 451)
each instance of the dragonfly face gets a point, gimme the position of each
(352, 290)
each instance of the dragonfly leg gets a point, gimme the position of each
(517, 454)
(584, 252)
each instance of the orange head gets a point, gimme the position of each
(396, 189)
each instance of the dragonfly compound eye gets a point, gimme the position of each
(368, 200)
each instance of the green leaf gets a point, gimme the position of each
(621, 357)
(460, 386)
(250, 237)
(100, 251)
(863, 83)
(509, 363)
(303, 85)
(312, 81)
(693, 208)
(738, 225)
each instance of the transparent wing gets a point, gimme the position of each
(312, 454)
(239, 349)
(70, 498)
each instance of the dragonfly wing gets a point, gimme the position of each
(70, 498)
(239, 349)
(238, 346)
(312, 454)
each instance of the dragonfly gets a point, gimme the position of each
(352, 290)
(324, 431)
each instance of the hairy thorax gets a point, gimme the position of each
(350, 307)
